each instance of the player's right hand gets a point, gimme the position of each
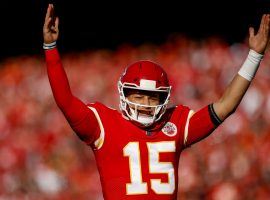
(50, 28)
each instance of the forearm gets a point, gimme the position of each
(58, 79)
(237, 88)
(232, 97)
(73, 109)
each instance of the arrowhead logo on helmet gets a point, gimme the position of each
(144, 75)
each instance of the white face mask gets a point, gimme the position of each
(145, 120)
(130, 109)
(135, 114)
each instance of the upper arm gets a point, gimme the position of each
(82, 120)
(201, 124)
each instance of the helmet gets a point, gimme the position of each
(144, 75)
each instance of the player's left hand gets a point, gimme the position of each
(259, 41)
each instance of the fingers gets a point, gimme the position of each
(47, 17)
(53, 26)
(46, 27)
(267, 24)
(251, 32)
(49, 11)
(56, 26)
(264, 25)
(50, 20)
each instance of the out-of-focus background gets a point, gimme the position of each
(201, 46)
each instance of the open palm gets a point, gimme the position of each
(258, 42)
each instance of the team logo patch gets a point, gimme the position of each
(169, 129)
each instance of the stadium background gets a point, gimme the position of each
(201, 45)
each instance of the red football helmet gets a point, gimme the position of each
(146, 76)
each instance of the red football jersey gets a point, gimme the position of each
(134, 163)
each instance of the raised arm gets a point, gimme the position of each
(80, 118)
(203, 122)
(235, 91)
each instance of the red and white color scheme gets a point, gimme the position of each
(133, 162)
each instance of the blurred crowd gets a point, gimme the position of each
(42, 159)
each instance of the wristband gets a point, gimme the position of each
(49, 46)
(251, 65)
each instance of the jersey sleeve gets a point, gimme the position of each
(200, 124)
(81, 119)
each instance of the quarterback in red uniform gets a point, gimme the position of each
(142, 144)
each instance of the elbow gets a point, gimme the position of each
(63, 101)
(224, 110)
(229, 110)
(232, 106)
(64, 105)
(232, 111)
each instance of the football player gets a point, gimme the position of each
(143, 142)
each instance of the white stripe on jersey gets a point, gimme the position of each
(190, 114)
(99, 142)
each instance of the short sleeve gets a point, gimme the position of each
(201, 124)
